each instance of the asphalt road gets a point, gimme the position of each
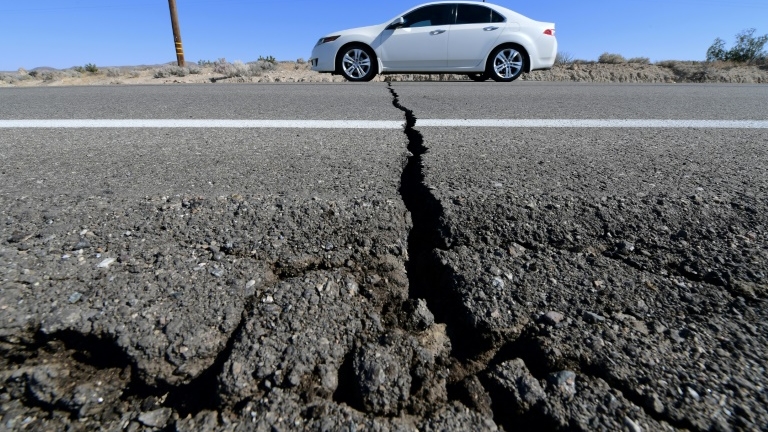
(431, 277)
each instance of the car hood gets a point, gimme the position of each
(373, 30)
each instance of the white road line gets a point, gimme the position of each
(204, 123)
(383, 124)
(596, 123)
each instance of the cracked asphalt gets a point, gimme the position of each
(429, 278)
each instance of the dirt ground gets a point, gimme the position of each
(663, 72)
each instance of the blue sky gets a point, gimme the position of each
(66, 33)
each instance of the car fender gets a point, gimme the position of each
(362, 35)
(513, 35)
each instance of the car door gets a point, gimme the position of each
(420, 43)
(474, 34)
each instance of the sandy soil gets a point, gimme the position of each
(664, 72)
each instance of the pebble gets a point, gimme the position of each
(155, 419)
(593, 318)
(553, 318)
(693, 393)
(75, 297)
(421, 315)
(106, 263)
(497, 283)
(656, 404)
(632, 425)
(564, 382)
(625, 248)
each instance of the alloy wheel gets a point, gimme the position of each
(356, 64)
(507, 64)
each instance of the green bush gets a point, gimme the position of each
(90, 67)
(268, 59)
(609, 58)
(748, 49)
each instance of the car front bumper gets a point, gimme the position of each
(323, 57)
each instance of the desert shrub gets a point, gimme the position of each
(134, 73)
(90, 67)
(238, 69)
(205, 63)
(609, 58)
(259, 66)
(22, 75)
(179, 71)
(79, 69)
(268, 59)
(222, 66)
(113, 72)
(168, 71)
(667, 63)
(33, 74)
(563, 58)
(71, 73)
(301, 61)
(193, 69)
(748, 48)
(230, 70)
(163, 72)
(639, 60)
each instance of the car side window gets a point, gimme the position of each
(433, 15)
(476, 14)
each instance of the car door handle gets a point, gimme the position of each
(436, 32)
(491, 28)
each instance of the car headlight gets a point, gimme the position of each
(327, 39)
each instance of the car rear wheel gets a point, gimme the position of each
(357, 63)
(478, 77)
(506, 64)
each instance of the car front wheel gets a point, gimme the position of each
(506, 64)
(357, 63)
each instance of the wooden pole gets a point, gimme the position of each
(176, 33)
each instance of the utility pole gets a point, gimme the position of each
(176, 33)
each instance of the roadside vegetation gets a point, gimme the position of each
(748, 49)
(745, 62)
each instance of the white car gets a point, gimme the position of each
(481, 40)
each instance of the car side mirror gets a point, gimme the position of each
(396, 23)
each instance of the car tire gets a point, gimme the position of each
(478, 77)
(357, 63)
(506, 63)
